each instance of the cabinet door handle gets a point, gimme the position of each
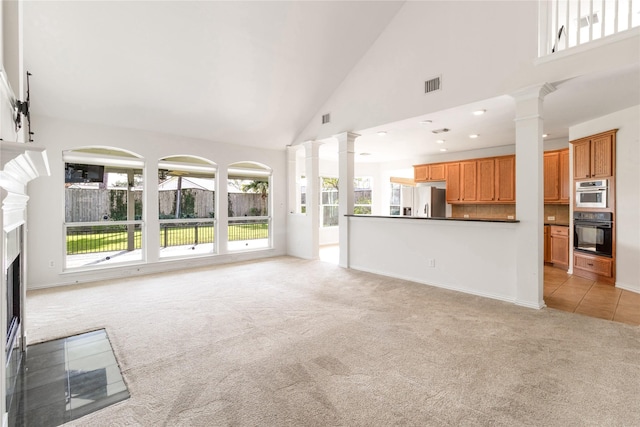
(590, 264)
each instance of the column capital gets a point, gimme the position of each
(311, 144)
(534, 91)
(346, 136)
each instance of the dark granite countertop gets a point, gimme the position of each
(436, 218)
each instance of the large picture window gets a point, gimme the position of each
(249, 206)
(186, 206)
(103, 207)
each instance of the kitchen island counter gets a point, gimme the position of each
(437, 218)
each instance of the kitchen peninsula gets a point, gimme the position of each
(475, 256)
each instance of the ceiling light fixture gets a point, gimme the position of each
(544, 135)
(382, 132)
(474, 136)
(365, 154)
(479, 112)
(440, 130)
(440, 141)
(443, 149)
(425, 122)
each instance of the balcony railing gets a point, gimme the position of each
(248, 228)
(569, 23)
(181, 232)
(95, 237)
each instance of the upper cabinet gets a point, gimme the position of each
(488, 180)
(593, 156)
(425, 173)
(452, 175)
(556, 176)
(506, 179)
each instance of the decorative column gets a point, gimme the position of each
(292, 175)
(345, 190)
(222, 210)
(312, 173)
(530, 195)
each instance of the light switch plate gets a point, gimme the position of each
(466, 215)
(551, 218)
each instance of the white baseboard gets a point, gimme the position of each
(440, 285)
(630, 288)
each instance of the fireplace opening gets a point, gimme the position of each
(13, 303)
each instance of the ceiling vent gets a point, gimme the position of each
(326, 118)
(432, 85)
(443, 130)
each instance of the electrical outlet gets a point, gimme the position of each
(51, 264)
(510, 217)
(551, 218)
(432, 263)
(466, 215)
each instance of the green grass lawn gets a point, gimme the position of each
(115, 238)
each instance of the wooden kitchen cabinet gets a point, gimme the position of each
(486, 180)
(547, 242)
(595, 266)
(593, 157)
(565, 182)
(506, 179)
(468, 183)
(556, 177)
(452, 172)
(551, 176)
(425, 173)
(559, 245)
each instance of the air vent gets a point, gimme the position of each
(587, 20)
(443, 130)
(432, 85)
(326, 118)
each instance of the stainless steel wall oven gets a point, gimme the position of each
(593, 232)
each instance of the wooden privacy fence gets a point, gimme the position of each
(89, 205)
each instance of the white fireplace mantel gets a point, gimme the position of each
(20, 163)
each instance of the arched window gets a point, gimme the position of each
(249, 206)
(186, 206)
(103, 222)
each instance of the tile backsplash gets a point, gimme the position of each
(483, 211)
(556, 214)
(559, 213)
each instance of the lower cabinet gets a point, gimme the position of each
(547, 244)
(559, 245)
(556, 245)
(592, 266)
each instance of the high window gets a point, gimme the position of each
(103, 222)
(186, 206)
(570, 23)
(249, 206)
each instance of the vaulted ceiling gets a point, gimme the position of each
(254, 73)
(250, 73)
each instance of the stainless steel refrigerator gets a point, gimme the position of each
(429, 202)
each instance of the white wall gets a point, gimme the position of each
(482, 49)
(46, 205)
(627, 189)
(473, 257)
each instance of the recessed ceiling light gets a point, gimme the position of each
(440, 130)
(365, 154)
(440, 141)
(443, 149)
(425, 122)
(544, 135)
(479, 112)
(474, 136)
(382, 132)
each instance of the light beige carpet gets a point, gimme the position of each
(289, 342)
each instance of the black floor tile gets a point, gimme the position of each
(65, 379)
